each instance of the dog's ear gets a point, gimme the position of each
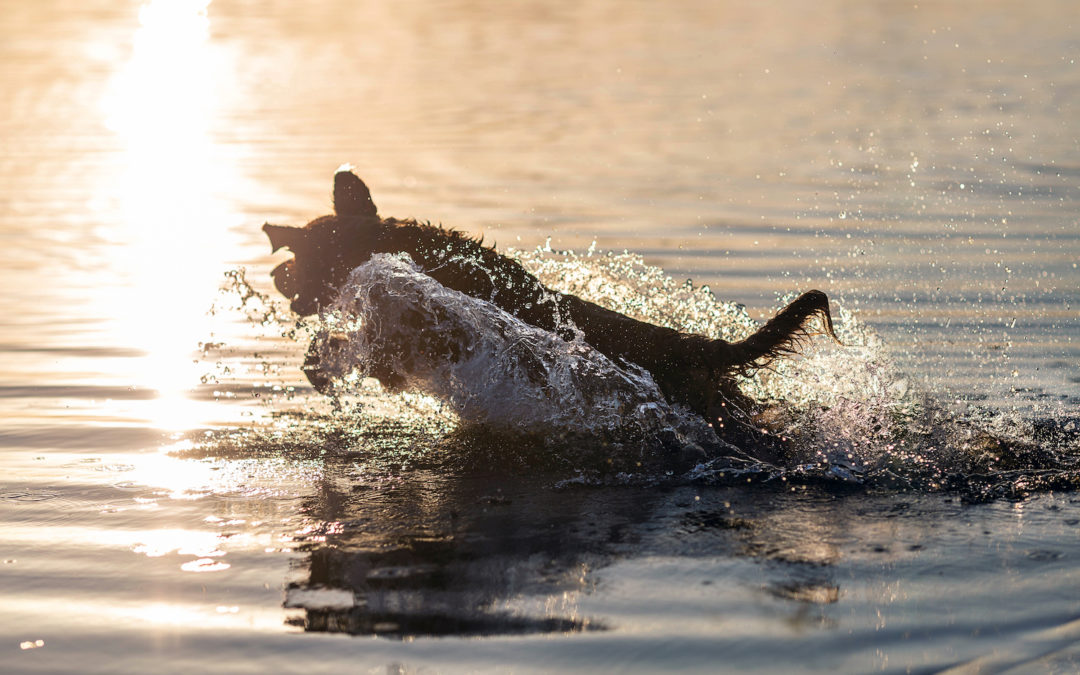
(282, 236)
(351, 197)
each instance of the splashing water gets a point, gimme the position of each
(395, 323)
(849, 413)
(824, 378)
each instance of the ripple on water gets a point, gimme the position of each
(205, 565)
(28, 496)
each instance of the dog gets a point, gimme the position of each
(692, 370)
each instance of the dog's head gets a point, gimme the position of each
(327, 248)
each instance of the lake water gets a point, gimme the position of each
(173, 496)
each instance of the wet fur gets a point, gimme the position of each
(690, 369)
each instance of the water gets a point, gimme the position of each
(174, 496)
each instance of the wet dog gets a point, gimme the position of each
(693, 370)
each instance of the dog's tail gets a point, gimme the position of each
(781, 336)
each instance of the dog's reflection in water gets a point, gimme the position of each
(441, 555)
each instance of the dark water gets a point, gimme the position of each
(175, 497)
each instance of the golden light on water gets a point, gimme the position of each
(159, 101)
(174, 225)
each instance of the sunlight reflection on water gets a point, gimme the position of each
(174, 221)
(916, 162)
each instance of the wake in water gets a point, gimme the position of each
(847, 414)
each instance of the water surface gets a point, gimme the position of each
(174, 496)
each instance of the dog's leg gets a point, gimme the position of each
(319, 378)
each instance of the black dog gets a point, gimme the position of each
(693, 370)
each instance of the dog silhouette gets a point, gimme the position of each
(694, 370)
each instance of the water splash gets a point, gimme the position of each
(395, 323)
(849, 413)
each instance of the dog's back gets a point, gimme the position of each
(691, 369)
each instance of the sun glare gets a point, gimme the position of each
(161, 105)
